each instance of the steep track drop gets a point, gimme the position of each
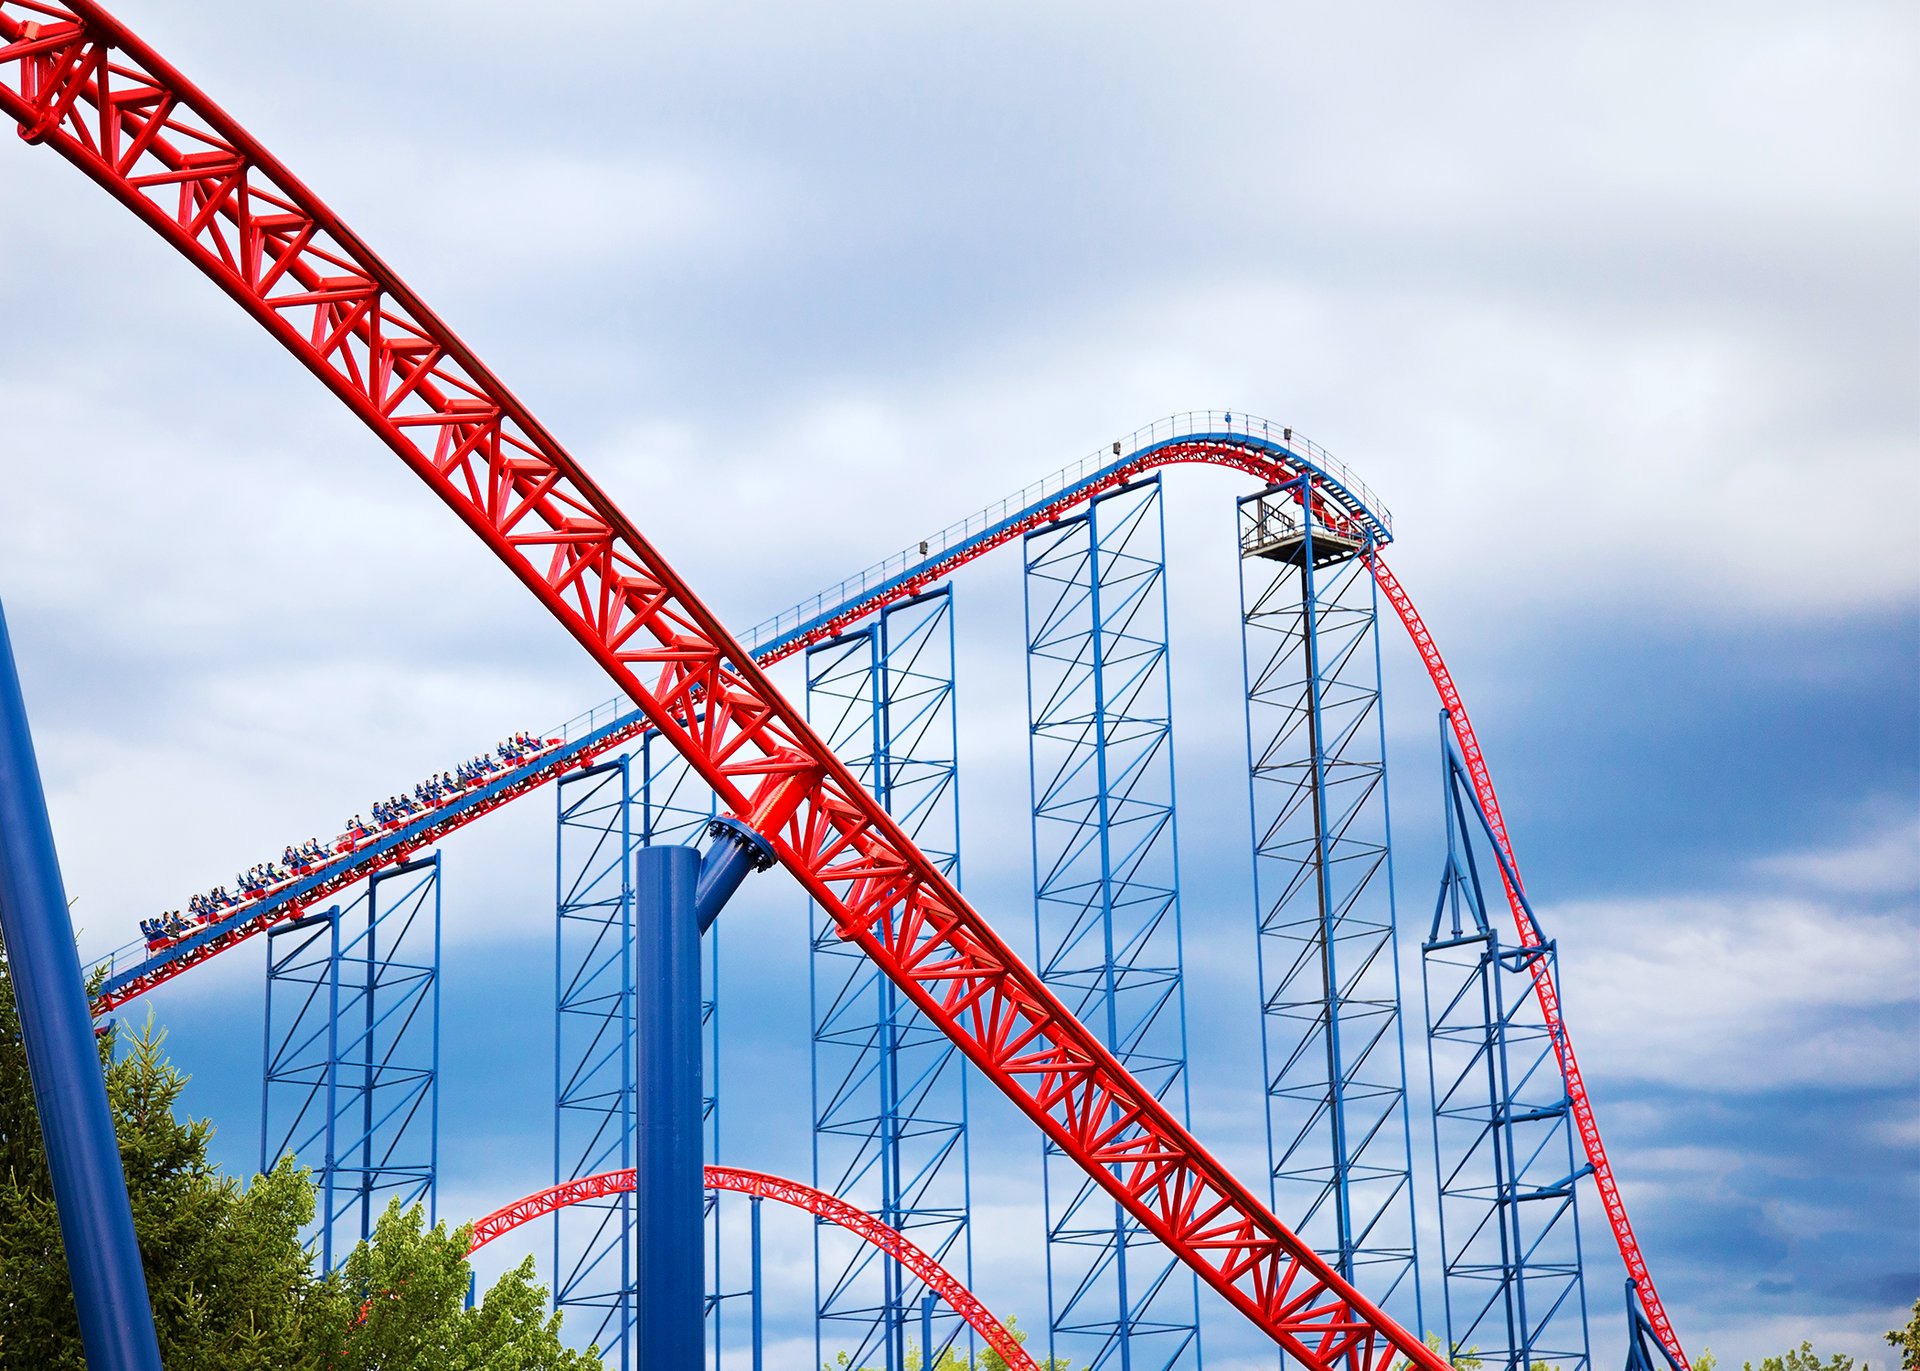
(76, 79)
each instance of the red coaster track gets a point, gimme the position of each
(856, 1221)
(76, 79)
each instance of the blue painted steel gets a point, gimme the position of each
(670, 1198)
(889, 1089)
(607, 812)
(353, 1052)
(63, 1058)
(593, 1121)
(954, 543)
(757, 1291)
(1503, 1129)
(733, 853)
(1107, 898)
(137, 962)
(677, 807)
(1333, 1059)
(1645, 1351)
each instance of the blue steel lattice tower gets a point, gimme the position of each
(593, 1117)
(1107, 899)
(351, 1085)
(889, 1089)
(1338, 1138)
(606, 812)
(1502, 1123)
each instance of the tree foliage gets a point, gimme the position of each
(1906, 1341)
(1804, 1359)
(952, 1359)
(232, 1287)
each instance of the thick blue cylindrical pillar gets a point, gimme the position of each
(56, 1023)
(670, 1275)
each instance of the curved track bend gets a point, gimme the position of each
(816, 1202)
(74, 78)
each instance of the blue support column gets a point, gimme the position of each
(670, 1243)
(676, 806)
(1645, 1351)
(351, 1080)
(593, 1252)
(1503, 1127)
(63, 1059)
(607, 813)
(1333, 1059)
(1107, 899)
(889, 1090)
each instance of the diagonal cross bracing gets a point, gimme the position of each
(77, 80)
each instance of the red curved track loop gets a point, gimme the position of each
(76, 79)
(818, 1202)
(1545, 991)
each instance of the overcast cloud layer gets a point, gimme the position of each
(1615, 308)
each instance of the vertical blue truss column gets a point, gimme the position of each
(593, 1117)
(1339, 1141)
(1503, 1126)
(676, 806)
(889, 1089)
(606, 812)
(1107, 899)
(351, 1086)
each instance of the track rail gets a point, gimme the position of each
(816, 1202)
(1544, 989)
(77, 80)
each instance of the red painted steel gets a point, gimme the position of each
(76, 79)
(762, 1186)
(352, 873)
(1545, 991)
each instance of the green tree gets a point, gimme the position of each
(1906, 1341)
(1805, 1359)
(399, 1304)
(232, 1288)
(1463, 1359)
(953, 1360)
(224, 1265)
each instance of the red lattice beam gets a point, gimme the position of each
(762, 1186)
(77, 80)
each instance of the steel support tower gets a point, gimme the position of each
(1107, 898)
(1334, 1063)
(606, 812)
(676, 806)
(593, 1119)
(351, 1085)
(889, 1089)
(1503, 1129)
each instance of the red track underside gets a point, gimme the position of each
(76, 79)
(762, 1186)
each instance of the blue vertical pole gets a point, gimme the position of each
(759, 1298)
(56, 1025)
(669, 1269)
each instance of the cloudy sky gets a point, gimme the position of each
(1616, 308)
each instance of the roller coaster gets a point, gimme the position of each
(1108, 1105)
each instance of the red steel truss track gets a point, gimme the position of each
(1544, 989)
(76, 79)
(818, 1202)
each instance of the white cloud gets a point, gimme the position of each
(1746, 992)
